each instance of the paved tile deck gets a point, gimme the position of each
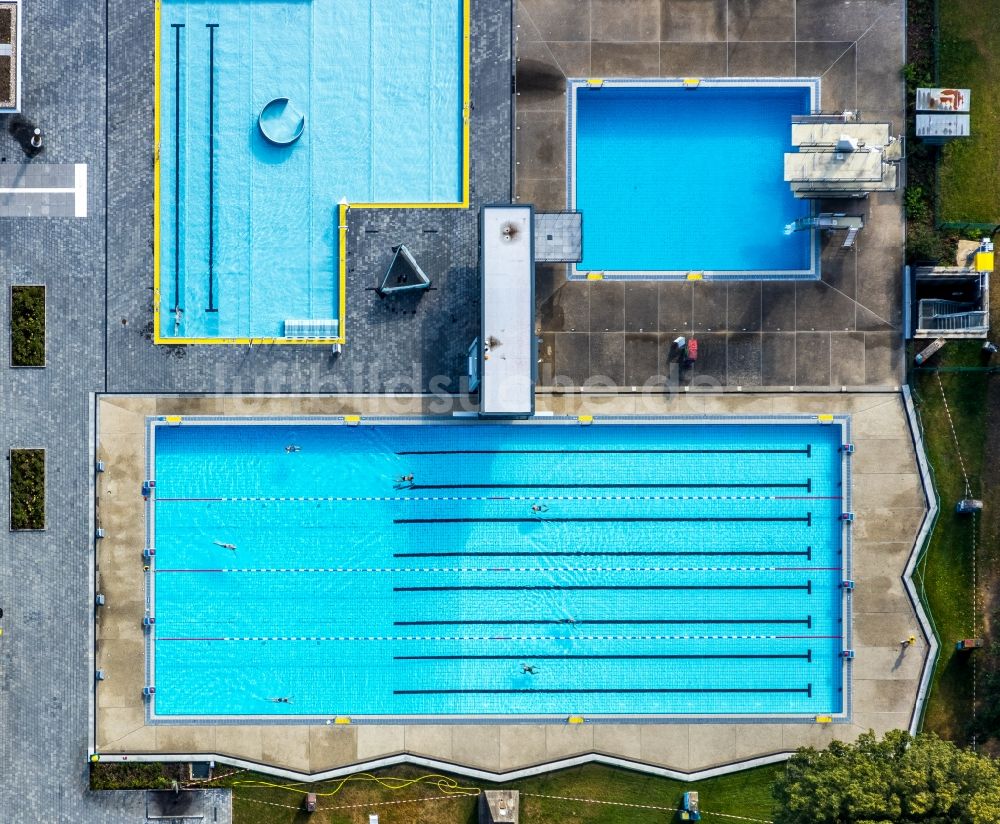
(888, 500)
(844, 330)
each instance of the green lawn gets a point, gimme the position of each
(566, 796)
(946, 571)
(970, 58)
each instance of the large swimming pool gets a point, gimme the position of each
(406, 568)
(248, 230)
(673, 179)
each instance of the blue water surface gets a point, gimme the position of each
(673, 179)
(671, 570)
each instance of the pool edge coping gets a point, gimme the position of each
(152, 422)
(574, 84)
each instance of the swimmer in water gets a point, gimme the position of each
(230, 547)
(280, 700)
(293, 448)
(405, 481)
(529, 669)
(539, 508)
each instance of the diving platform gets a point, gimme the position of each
(806, 136)
(837, 157)
(834, 167)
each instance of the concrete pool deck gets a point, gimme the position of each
(889, 501)
(842, 330)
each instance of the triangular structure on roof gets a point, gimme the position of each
(404, 274)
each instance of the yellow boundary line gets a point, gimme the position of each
(342, 208)
(156, 173)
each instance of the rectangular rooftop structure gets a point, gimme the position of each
(507, 271)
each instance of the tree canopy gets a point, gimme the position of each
(898, 779)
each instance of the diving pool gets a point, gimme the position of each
(665, 568)
(673, 180)
(247, 231)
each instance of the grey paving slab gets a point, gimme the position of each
(675, 307)
(777, 358)
(625, 20)
(812, 359)
(819, 306)
(748, 59)
(558, 19)
(641, 307)
(777, 307)
(712, 359)
(607, 358)
(642, 357)
(836, 19)
(699, 21)
(625, 59)
(769, 20)
(847, 360)
(744, 306)
(693, 59)
(711, 301)
(607, 306)
(744, 360)
(571, 357)
(567, 309)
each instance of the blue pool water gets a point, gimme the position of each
(380, 84)
(676, 569)
(677, 180)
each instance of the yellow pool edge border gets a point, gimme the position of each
(342, 208)
(156, 171)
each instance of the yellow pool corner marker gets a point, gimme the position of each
(173, 420)
(595, 82)
(824, 719)
(352, 420)
(576, 719)
(691, 82)
(825, 418)
(583, 420)
(695, 275)
(342, 719)
(595, 275)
